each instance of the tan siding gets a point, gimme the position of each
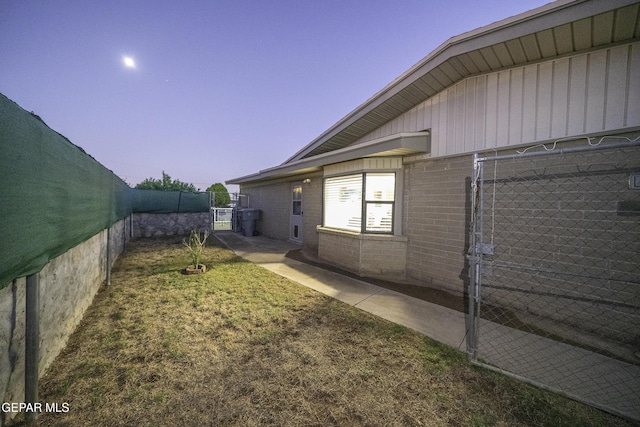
(502, 109)
(479, 113)
(491, 113)
(591, 92)
(470, 92)
(544, 101)
(633, 93)
(577, 96)
(516, 89)
(616, 87)
(559, 97)
(596, 86)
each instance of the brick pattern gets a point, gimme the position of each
(340, 250)
(561, 247)
(380, 256)
(274, 200)
(312, 209)
(437, 214)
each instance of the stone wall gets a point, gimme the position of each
(67, 285)
(170, 224)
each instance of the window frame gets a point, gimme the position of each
(365, 203)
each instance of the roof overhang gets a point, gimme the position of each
(401, 144)
(558, 29)
(554, 30)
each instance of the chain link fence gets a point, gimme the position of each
(555, 266)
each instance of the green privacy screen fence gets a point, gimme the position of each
(157, 201)
(54, 196)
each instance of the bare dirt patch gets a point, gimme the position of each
(242, 346)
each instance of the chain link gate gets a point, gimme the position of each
(555, 270)
(226, 218)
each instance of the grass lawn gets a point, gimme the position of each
(242, 346)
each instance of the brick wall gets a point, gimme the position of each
(369, 255)
(562, 249)
(274, 200)
(340, 249)
(436, 218)
(312, 208)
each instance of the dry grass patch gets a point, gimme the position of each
(242, 346)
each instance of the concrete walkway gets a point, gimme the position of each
(440, 323)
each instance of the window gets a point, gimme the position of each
(348, 199)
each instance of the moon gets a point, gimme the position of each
(128, 62)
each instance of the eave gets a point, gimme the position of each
(402, 144)
(557, 29)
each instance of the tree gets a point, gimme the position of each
(221, 195)
(165, 184)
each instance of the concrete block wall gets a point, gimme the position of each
(571, 255)
(312, 212)
(383, 256)
(341, 249)
(436, 221)
(370, 255)
(274, 200)
(67, 285)
(169, 224)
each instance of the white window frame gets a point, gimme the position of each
(366, 203)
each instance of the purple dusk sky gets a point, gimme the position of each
(217, 89)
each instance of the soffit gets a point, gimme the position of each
(554, 30)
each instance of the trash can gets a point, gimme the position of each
(249, 216)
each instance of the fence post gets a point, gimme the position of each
(32, 344)
(475, 257)
(108, 256)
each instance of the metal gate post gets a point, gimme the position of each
(475, 257)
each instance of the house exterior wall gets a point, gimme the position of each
(370, 255)
(312, 209)
(561, 247)
(274, 201)
(592, 92)
(436, 221)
